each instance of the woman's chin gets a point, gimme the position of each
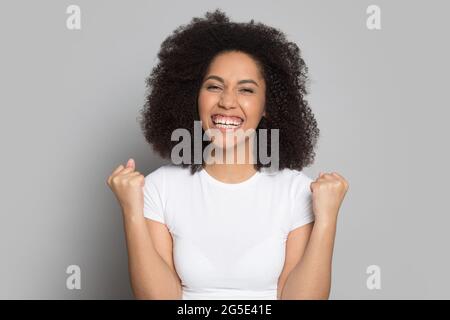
(227, 145)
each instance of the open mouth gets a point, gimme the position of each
(226, 122)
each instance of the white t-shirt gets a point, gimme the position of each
(229, 240)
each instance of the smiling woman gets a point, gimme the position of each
(229, 230)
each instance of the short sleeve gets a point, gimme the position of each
(153, 204)
(302, 212)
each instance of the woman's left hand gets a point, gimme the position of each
(328, 192)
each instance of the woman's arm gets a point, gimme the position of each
(151, 277)
(311, 277)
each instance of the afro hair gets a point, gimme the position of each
(184, 57)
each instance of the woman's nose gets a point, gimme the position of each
(227, 99)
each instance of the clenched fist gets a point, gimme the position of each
(328, 192)
(127, 184)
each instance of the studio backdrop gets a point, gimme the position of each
(72, 86)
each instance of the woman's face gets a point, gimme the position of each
(232, 96)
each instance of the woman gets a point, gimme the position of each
(229, 230)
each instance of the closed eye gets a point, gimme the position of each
(216, 87)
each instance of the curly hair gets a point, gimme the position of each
(184, 57)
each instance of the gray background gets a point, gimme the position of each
(69, 102)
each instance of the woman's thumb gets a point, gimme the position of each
(131, 163)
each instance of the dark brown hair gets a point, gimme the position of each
(184, 57)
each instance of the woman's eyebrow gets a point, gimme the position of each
(239, 82)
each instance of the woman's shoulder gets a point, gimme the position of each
(291, 178)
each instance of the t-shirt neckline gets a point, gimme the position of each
(244, 183)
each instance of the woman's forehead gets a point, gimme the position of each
(234, 66)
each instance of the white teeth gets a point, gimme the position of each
(225, 126)
(229, 123)
(226, 121)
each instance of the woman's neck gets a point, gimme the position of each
(230, 173)
(233, 171)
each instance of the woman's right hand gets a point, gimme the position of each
(127, 184)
